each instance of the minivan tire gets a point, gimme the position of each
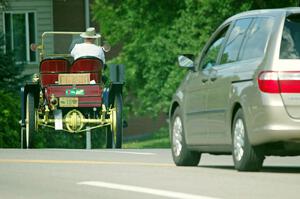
(245, 156)
(182, 156)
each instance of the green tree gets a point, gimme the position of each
(154, 33)
(11, 77)
(10, 81)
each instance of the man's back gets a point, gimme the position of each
(87, 49)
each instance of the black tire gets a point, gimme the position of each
(114, 135)
(23, 137)
(30, 121)
(182, 156)
(245, 156)
(109, 137)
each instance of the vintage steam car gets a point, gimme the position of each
(70, 95)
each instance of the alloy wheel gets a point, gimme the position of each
(177, 136)
(239, 137)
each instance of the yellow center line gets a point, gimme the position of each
(88, 162)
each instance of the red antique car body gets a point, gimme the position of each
(69, 95)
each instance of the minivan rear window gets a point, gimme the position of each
(290, 42)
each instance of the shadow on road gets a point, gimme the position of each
(265, 169)
(280, 169)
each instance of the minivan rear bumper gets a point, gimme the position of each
(273, 124)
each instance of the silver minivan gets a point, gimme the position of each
(241, 96)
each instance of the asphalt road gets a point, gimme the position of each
(139, 174)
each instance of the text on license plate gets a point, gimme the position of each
(68, 102)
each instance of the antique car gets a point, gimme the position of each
(72, 95)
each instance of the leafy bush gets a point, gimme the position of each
(49, 138)
(9, 120)
(10, 81)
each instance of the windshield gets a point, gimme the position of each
(290, 42)
(60, 44)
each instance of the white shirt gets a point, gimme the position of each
(85, 49)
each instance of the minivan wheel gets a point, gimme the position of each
(245, 156)
(182, 156)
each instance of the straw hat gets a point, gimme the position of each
(90, 33)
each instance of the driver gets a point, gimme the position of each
(88, 48)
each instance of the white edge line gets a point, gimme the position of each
(158, 192)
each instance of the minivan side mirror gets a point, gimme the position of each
(186, 61)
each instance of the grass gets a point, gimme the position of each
(159, 139)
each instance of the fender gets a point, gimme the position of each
(117, 78)
(114, 89)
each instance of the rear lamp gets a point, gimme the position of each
(279, 81)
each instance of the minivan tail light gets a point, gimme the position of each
(268, 82)
(279, 82)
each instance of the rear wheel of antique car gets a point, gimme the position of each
(114, 133)
(30, 121)
(182, 156)
(245, 156)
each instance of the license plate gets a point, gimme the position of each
(74, 78)
(68, 102)
(74, 92)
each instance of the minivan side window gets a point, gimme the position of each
(290, 42)
(210, 57)
(256, 38)
(235, 40)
